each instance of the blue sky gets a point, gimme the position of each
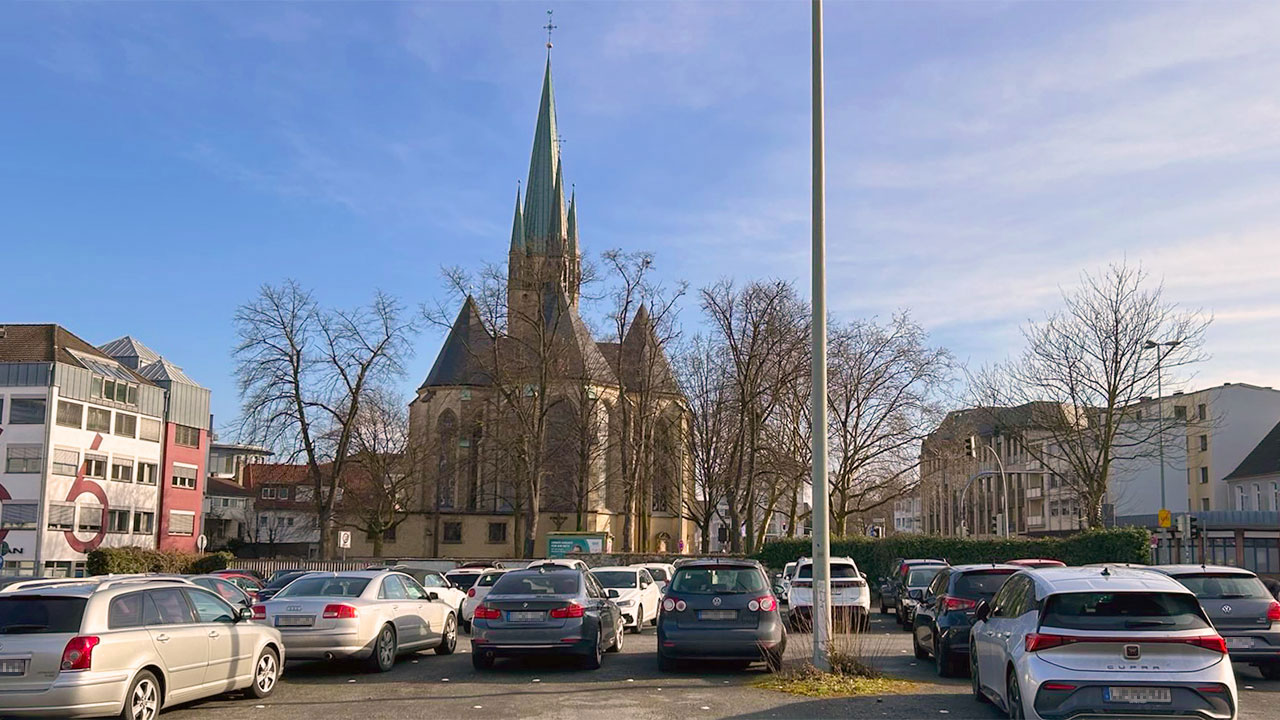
(160, 161)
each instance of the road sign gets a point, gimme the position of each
(1155, 541)
(202, 542)
(344, 539)
(1165, 518)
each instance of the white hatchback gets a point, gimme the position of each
(1099, 642)
(477, 593)
(634, 591)
(850, 596)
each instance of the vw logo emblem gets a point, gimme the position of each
(1226, 609)
(524, 605)
(715, 601)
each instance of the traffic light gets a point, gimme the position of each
(970, 445)
(1193, 526)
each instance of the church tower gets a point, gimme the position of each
(544, 265)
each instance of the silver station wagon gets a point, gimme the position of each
(126, 646)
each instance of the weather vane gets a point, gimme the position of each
(549, 28)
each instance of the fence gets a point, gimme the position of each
(266, 567)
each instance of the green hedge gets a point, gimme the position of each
(874, 556)
(114, 561)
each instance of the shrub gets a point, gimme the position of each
(122, 560)
(874, 556)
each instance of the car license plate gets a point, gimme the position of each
(13, 668)
(525, 616)
(295, 620)
(1237, 643)
(1138, 695)
(717, 614)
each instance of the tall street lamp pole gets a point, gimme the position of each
(1153, 345)
(821, 516)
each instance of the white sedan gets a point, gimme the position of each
(634, 591)
(371, 615)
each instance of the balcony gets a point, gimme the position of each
(1034, 493)
(1035, 521)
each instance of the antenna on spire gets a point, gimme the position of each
(549, 27)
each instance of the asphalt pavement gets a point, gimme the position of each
(627, 686)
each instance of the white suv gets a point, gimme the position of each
(850, 596)
(1099, 642)
(126, 646)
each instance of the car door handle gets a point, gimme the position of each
(989, 633)
(213, 633)
(162, 638)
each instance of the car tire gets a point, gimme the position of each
(942, 663)
(464, 626)
(918, 649)
(975, 681)
(266, 674)
(591, 661)
(449, 637)
(1270, 671)
(884, 609)
(1014, 694)
(143, 699)
(617, 640)
(639, 626)
(384, 651)
(481, 660)
(666, 664)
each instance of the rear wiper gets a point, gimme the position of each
(1148, 623)
(19, 628)
(1233, 596)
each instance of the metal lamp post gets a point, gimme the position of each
(1153, 345)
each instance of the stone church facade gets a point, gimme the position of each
(612, 421)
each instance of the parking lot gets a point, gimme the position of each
(628, 685)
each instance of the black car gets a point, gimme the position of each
(894, 587)
(278, 580)
(945, 613)
(548, 611)
(914, 583)
(720, 610)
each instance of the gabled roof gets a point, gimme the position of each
(54, 343)
(1264, 459)
(164, 371)
(461, 358)
(217, 487)
(130, 351)
(643, 360)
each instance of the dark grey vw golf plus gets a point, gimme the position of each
(720, 610)
(552, 610)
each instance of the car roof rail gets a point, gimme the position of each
(111, 581)
(46, 583)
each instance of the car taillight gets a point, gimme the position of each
(764, 604)
(259, 612)
(339, 612)
(802, 583)
(668, 604)
(1035, 642)
(572, 610)
(471, 592)
(1273, 612)
(78, 654)
(484, 612)
(1057, 687)
(950, 603)
(1209, 642)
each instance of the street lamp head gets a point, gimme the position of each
(1151, 344)
(1173, 343)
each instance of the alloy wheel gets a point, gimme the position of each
(145, 701)
(1015, 698)
(451, 633)
(267, 672)
(387, 647)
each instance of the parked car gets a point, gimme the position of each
(476, 595)
(250, 584)
(1099, 642)
(850, 596)
(550, 610)
(444, 588)
(369, 615)
(893, 588)
(1244, 612)
(917, 579)
(661, 572)
(241, 571)
(225, 589)
(945, 614)
(1036, 563)
(126, 646)
(638, 595)
(464, 578)
(720, 610)
(559, 562)
(279, 580)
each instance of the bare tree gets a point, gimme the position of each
(702, 369)
(304, 371)
(1084, 371)
(385, 475)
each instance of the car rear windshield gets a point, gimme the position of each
(659, 574)
(537, 583)
(487, 580)
(325, 587)
(37, 614)
(921, 577)
(838, 571)
(463, 580)
(980, 585)
(712, 581)
(1223, 586)
(281, 579)
(621, 579)
(1124, 611)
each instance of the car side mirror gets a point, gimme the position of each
(915, 594)
(982, 612)
(246, 613)
(433, 595)
(613, 593)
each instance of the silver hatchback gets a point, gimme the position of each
(126, 646)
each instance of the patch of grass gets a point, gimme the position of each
(811, 682)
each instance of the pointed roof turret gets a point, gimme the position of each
(517, 227)
(555, 230)
(544, 165)
(572, 234)
(644, 363)
(461, 358)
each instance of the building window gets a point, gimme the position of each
(64, 569)
(149, 429)
(122, 470)
(66, 461)
(90, 518)
(26, 411)
(282, 493)
(388, 535)
(99, 420)
(497, 532)
(144, 523)
(268, 493)
(182, 523)
(1204, 475)
(70, 414)
(62, 516)
(126, 425)
(452, 533)
(117, 521)
(1179, 412)
(186, 436)
(147, 473)
(114, 391)
(1204, 504)
(95, 466)
(18, 516)
(184, 477)
(1202, 412)
(24, 459)
(1204, 441)
(21, 568)
(1258, 503)
(1242, 500)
